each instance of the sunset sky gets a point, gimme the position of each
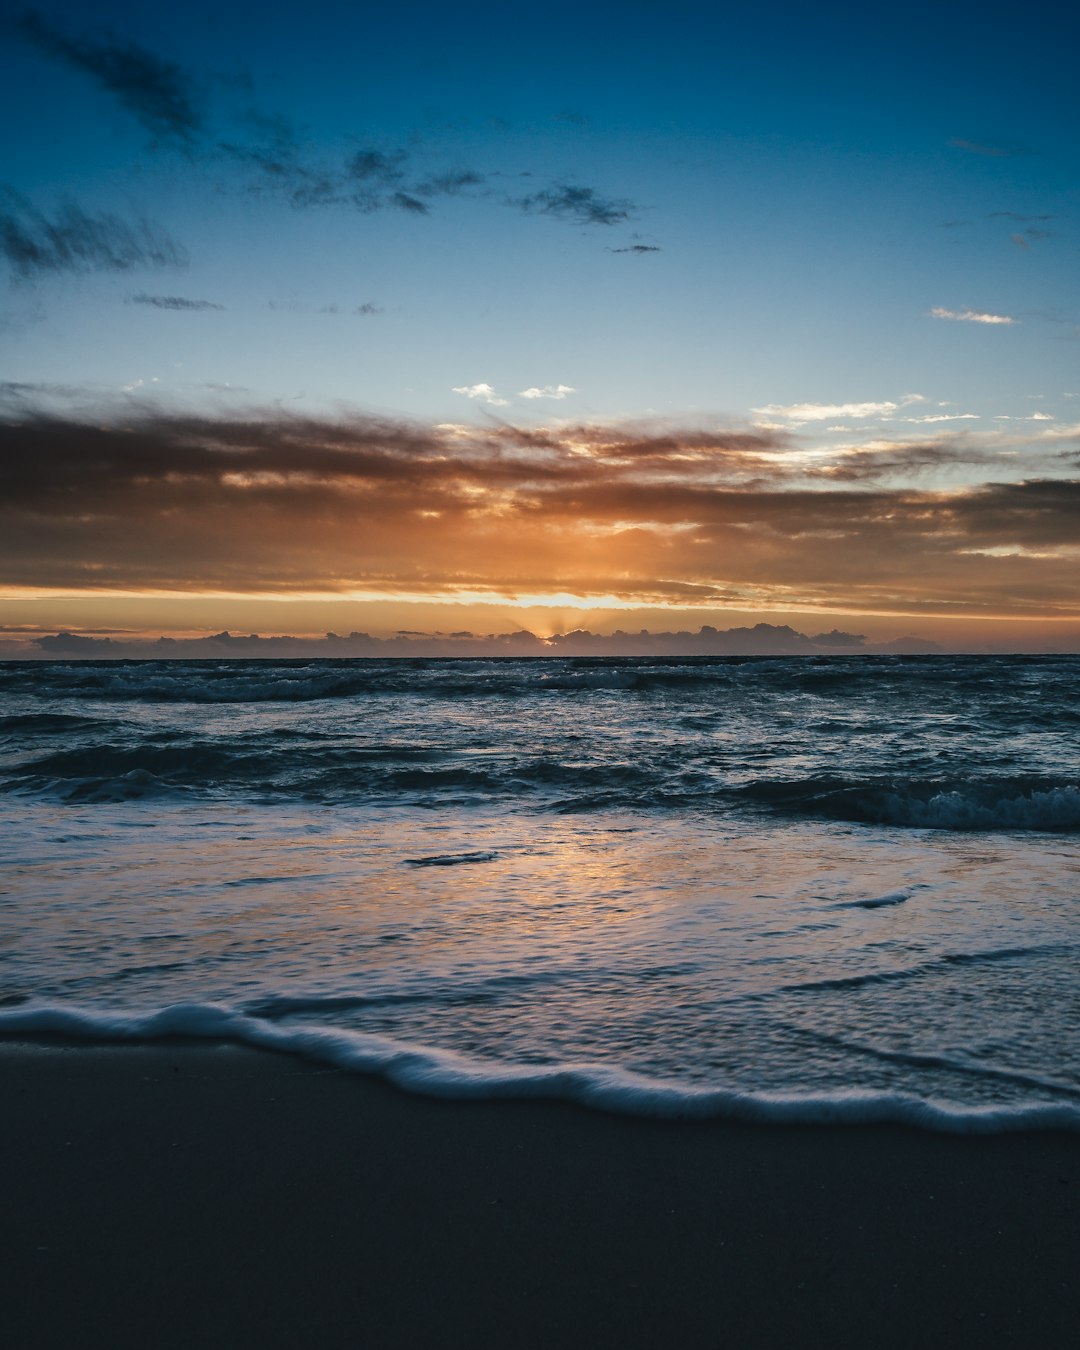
(595, 315)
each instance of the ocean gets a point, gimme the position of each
(792, 889)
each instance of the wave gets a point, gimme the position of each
(283, 765)
(987, 804)
(922, 968)
(48, 724)
(440, 1073)
(135, 785)
(269, 680)
(286, 765)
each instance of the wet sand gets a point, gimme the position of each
(182, 1195)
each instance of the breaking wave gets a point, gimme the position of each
(990, 804)
(440, 1073)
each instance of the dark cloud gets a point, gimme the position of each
(637, 248)
(163, 98)
(374, 166)
(1015, 215)
(369, 180)
(159, 93)
(374, 181)
(906, 460)
(688, 515)
(451, 184)
(405, 201)
(298, 307)
(280, 172)
(171, 302)
(74, 240)
(582, 205)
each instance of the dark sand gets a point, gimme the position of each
(186, 1196)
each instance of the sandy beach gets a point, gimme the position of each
(185, 1195)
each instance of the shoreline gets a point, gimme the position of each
(174, 1194)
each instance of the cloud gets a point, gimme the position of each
(762, 638)
(1030, 236)
(637, 248)
(1015, 215)
(375, 179)
(449, 184)
(942, 417)
(368, 308)
(1005, 150)
(483, 392)
(74, 240)
(971, 316)
(163, 98)
(375, 166)
(158, 93)
(274, 153)
(405, 201)
(579, 204)
(548, 391)
(275, 504)
(171, 302)
(801, 413)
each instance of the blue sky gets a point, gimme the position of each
(853, 230)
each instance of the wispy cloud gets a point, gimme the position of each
(159, 93)
(451, 183)
(1002, 150)
(1029, 236)
(75, 240)
(171, 302)
(548, 391)
(942, 417)
(637, 248)
(482, 392)
(166, 100)
(583, 205)
(801, 413)
(971, 316)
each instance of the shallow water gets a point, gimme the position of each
(794, 887)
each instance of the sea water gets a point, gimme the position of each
(835, 888)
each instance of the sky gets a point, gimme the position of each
(589, 316)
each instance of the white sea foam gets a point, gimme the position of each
(440, 1073)
(1057, 808)
(604, 678)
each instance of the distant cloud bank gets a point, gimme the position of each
(764, 639)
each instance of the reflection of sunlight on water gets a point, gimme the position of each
(706, 951)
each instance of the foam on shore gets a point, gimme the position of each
(441, 1073)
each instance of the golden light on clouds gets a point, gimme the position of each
(565, 519)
